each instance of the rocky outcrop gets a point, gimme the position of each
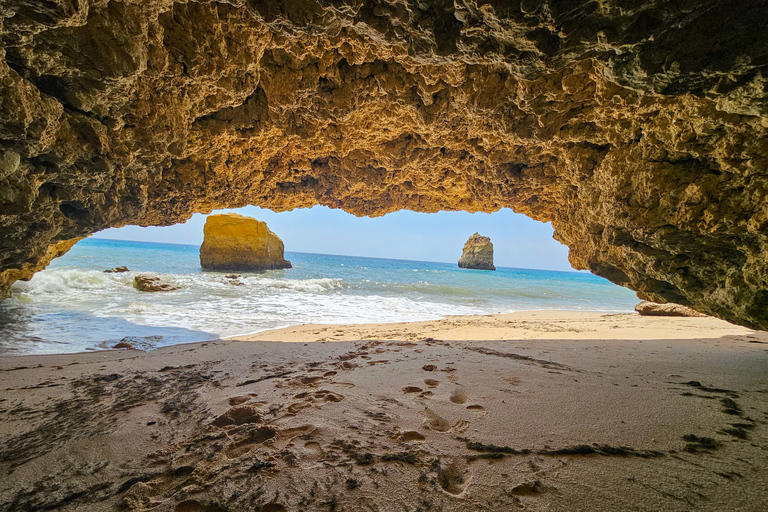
(477, 253)
(639, 129)
(647, 308)
(28, 268)
(152, 284)
(237, 242)
(117, 270)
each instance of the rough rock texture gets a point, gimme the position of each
(647, 308)
(477, 253)
(237, 242)
(638, 128)
(27, 268)
(152, 284)
(117, 270)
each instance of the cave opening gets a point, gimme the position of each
(400, 267)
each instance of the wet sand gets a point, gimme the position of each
(527, 411)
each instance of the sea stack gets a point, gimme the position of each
(478, 253)
(236, 242)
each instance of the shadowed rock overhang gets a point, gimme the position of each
(637, 127)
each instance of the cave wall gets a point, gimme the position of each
(637, 127)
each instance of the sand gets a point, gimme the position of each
(525, 411)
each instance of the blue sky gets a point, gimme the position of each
(517, 240)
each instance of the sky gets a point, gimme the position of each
(518, 241)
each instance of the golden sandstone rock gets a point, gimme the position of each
(477, 253)
(237, 242)
(639, 129)
(647, 308)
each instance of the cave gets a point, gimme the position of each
(637, 128)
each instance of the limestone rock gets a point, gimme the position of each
(478, 253)
(28, 269)
(639, 129)
(117, 270)
(152, 284)
(647, 308)
(237, 242)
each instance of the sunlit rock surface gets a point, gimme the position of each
(27, 269)
(477, 253)
(647, 308)
(237, 242)
(637, 128)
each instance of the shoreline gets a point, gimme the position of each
(530, 324)
(539, 410)
(524, 324)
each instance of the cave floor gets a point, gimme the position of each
(391, 424)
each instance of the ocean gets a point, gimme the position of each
(74, 306)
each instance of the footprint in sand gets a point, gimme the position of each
(476, 408)
(412, 389)
(312, 450)
(459, 396)
(434, 421)
(347, 385)
(321, 396)
(412, 435)
(429, 367)
(237, 400)
(454, 477)
(252, 439)
(286, 436)
(238, 415)
(313, 398)
(305, 380)
(431, 382)
(295, 407)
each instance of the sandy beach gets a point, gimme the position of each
(537, 410)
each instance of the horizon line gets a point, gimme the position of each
(572, 271)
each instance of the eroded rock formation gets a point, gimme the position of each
(237, 242)
(647, 308)
(637, 128)
(477, 253)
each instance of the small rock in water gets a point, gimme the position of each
(647, 308)
(145, 343)
(152, 284)
(115, 270)
(233, 279)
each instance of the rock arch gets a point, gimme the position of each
(637, 128)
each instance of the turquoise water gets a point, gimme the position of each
(74, 306)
